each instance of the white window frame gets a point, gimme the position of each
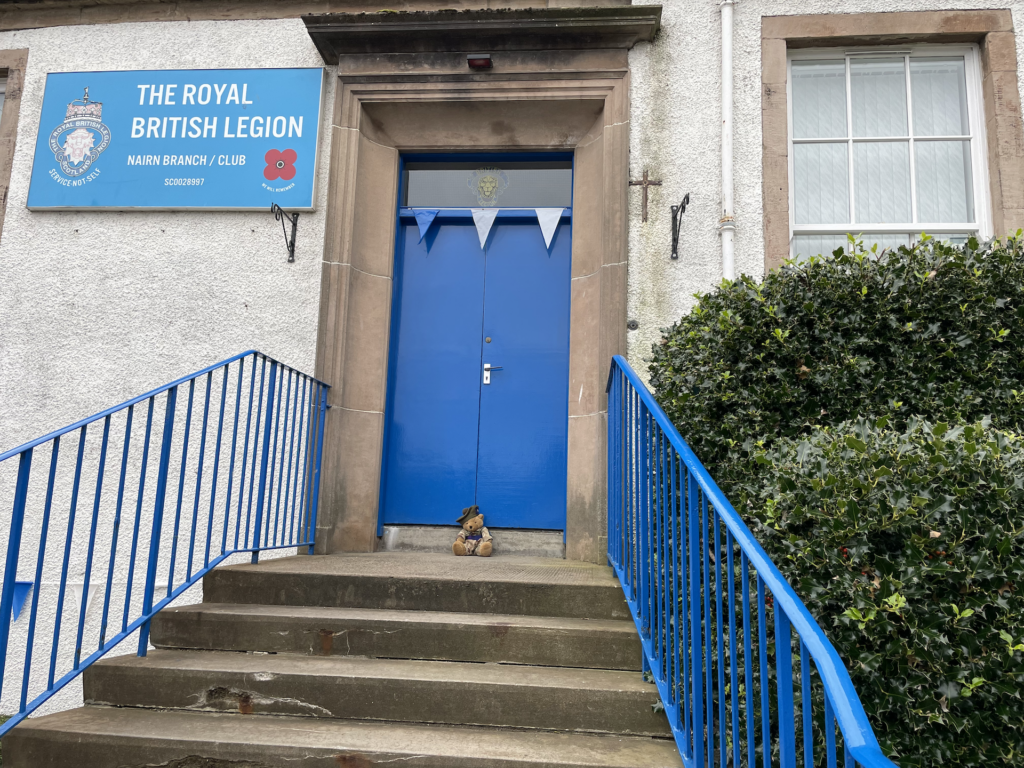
(982, 226)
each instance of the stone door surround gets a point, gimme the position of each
(992, 30)
(390, 102)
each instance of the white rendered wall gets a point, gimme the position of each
(675, 134)
(96, 307)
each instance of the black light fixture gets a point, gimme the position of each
(479, 61)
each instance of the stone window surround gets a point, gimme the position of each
(378, 117)
(12, 65)
(1004, 125)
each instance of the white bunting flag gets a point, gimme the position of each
(548, 219)
(484, 218)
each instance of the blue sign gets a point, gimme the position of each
(191, 139)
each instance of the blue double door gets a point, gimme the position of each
(456, 433)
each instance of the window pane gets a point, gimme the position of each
(885, 240)
(821, 184)
(881, 178)
(819, 99)
(541, 184)
(805, 246)
(958, 238)
(939, 88)
(878, 95)
(944, 185)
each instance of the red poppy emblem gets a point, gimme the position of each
(280, 165)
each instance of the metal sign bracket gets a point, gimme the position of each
(281, 215)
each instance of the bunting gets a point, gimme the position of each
(424, 218)
(548, 219)
(484, 219)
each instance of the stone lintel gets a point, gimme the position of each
(534, 29)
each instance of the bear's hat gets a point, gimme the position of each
(468, 514)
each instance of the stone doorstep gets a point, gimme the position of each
(439, 538)
(441, 566)
(103, 737)
(453, 693)
(522, 586)
(313, 631)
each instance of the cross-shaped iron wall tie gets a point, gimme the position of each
(645, 183)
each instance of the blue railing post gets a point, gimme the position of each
(611, 468)
(13, 551)
(830, 733)
(315, 502)
(158, 518)
(44, 530)
(644, 527)
(615, 482)
(261, 497)
(87, 577)
(784, 683)
(696, 667)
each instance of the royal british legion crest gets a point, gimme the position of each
(81, 138)
(488, 184)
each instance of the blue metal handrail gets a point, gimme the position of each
(673, 540)
(283, 412)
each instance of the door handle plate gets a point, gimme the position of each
(487, 371)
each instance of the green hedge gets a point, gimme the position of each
(810, 397)
(935, 331)
(908, 548)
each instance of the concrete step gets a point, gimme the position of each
(528, 586)
(456, 693)
(439, 538)
(480, 637)
(102, 737)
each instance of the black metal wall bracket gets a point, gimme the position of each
(281, 215)
(677, 220)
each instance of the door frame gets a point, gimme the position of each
(437, 157)
(376, 120)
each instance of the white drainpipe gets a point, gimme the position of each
(727, 224)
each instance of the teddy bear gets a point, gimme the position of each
(473, 539)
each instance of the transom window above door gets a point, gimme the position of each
(483, 184)
(885, 144)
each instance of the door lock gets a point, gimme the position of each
(487, 371)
